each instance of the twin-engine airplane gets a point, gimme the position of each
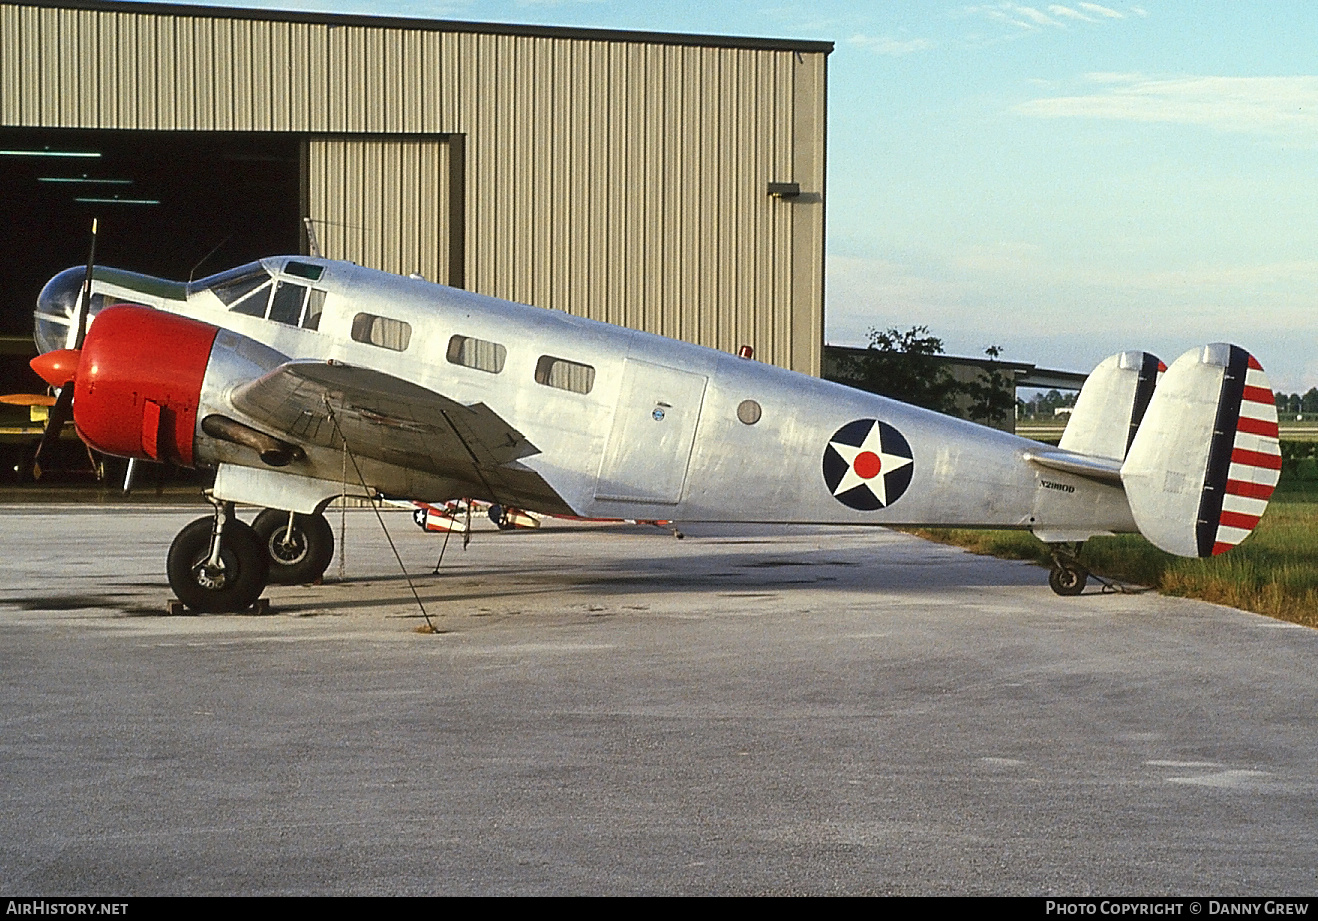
(281, 372)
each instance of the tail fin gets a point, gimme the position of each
(1111, 405)
(1206, 458)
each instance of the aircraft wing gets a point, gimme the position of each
(382, 417)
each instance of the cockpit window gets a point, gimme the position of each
(287, 304)
(56, 307)
(255, 303)
(235, 284)
(304, 270)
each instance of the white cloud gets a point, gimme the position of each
(1067, 13)
(883, 44)
(1034, 15)
(1032, 19)
(1004, 12)
(1107, 11)
(1286, 105)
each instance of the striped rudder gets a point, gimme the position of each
(1244, 462)
(1206, 457)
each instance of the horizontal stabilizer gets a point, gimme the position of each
(1206, 457)
(1102, 469)
(1111, 405)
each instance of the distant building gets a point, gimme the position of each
(841, 364)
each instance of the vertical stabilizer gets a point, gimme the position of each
(1112, 404)
(1206, 458)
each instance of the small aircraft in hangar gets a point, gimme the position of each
(278, 372)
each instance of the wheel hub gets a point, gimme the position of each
(288, 552)
(210, 577)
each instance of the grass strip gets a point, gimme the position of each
(1274, 572)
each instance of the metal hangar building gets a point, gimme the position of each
(671, 183)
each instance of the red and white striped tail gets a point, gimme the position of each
(1255, 461)
(1206, 458)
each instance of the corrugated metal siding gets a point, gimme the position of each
(618, 180)
(382, 202)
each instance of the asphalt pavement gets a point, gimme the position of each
(609, 710)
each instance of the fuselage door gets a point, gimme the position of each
(654, 427)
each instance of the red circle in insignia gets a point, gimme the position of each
(867, 465)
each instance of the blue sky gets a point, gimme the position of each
(1065, 180)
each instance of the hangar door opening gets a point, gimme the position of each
(394, 204)
(170, 203)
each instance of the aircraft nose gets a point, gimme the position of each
(57, 368)
(56, 307)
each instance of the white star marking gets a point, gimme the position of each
(888, 463)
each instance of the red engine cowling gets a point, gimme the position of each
(138, 383)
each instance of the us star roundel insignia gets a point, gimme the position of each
(867, 465)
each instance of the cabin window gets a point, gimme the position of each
(382, 331)
(564, 374)
(254, 304)
(315, 307)
(476, 353)
(286, 307)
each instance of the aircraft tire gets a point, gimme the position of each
(306, 557)
(245, 568)
(1067, 581)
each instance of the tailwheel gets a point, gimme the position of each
(1067, 577)
(217, 568)
(299, 547)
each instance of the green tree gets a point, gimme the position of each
(908, 366)
(992, 393)
(905, 366)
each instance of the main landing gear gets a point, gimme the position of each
(300, 547)
(218, 564)
(221, 565)
(1067, 577)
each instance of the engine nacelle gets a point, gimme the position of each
(138, 383)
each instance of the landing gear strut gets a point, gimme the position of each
(1067, 577)
(218, 564)
(299, 547)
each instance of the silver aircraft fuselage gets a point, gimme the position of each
(635, 425)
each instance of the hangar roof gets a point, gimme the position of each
(440, 25)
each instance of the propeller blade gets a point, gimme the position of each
(27, 399)
(52, 363)
(60, 413)
(85, 297)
